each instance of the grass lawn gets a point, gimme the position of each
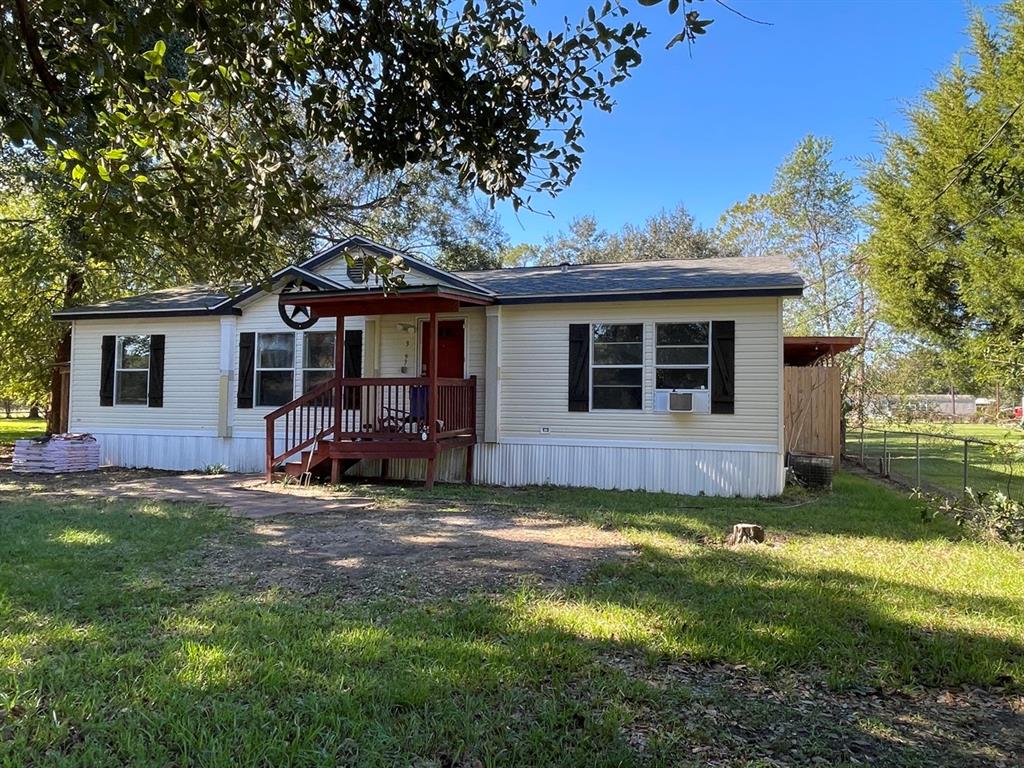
(18, 428)
(999, 467)
(1005, 432)
(114, 651)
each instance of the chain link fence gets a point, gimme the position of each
(940, 464)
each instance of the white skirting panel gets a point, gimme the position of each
(715, 472)
(182, 451)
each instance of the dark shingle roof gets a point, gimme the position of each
(668, 278)
(183, 300)
(642, 279)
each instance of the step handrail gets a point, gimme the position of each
(306, 438)
(298, 402)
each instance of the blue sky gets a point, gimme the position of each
(707, 128)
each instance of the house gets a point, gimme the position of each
(659, 375)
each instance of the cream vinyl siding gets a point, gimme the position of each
(397, 348)
(191, 375)
(535, 362)
(261, 316)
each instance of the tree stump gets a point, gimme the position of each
(745, 533)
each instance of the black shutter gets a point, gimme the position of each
(107, 370)
(246, 368)
(353, 354)
(156, 371)
(579, 367)
(723, 366)
(353, 367)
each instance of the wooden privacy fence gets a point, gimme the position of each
(812, 410)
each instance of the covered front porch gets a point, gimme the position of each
(348, 419)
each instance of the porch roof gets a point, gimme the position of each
(809, 350)
(410, 299)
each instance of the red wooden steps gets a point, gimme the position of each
(316, 462)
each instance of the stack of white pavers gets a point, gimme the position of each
(60, 453)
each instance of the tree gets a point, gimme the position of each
(197, 123)
(49, 265)
(811, 216)
(670, 234)
(947, 205)
(583, 243)
(667, 235)
(429, 215)
(191, 133)
(751, 228)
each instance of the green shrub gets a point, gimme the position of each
(989, 515)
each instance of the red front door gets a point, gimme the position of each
(451, 349)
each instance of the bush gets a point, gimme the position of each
(989, 515)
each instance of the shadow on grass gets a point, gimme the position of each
(107, 661)
(857, 508)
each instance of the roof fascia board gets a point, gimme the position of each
(708, 293)
(115, 314)
(292, 270)
(409, 291)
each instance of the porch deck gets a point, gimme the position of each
(349, 419)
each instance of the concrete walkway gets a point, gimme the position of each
(236, 493)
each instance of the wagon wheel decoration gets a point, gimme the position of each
(294, 315)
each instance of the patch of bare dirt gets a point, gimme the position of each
(307, 542)
(423, 553)
(72, 482)
(793, 720)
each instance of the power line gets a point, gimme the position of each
(959, 229)
(976, 155)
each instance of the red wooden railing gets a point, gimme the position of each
(381, 409)
(298, 425)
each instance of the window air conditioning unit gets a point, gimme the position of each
(678, 401)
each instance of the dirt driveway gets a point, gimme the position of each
(350, 545)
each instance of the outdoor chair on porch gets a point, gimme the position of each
(412, 418)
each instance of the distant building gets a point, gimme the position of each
(926, 406)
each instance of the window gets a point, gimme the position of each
(317, 359)
(131, 371)
(617, 367)
(681, 356)
(275, 368)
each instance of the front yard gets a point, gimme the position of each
(858, 634)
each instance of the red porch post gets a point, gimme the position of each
(339, 400)
(471, 417)
(432, 400)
